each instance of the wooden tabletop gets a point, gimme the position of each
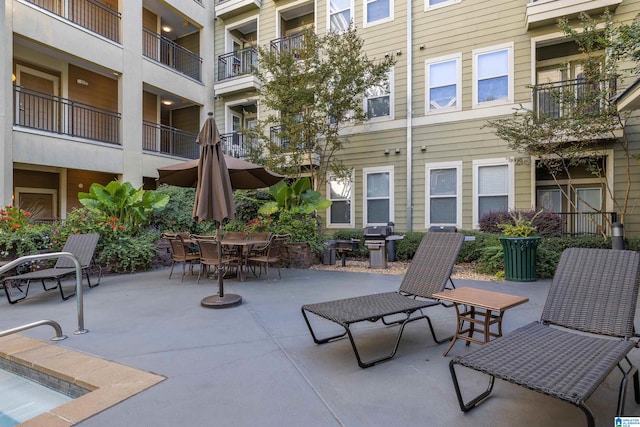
(489, 300)
(242, 242)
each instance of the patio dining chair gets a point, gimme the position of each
(181, 253)
(428, 273)
(270, 255)
(584, 333)
(210, 257)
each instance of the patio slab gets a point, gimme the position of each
(256, 364)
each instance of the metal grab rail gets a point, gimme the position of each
(56, 255)
(55, 325)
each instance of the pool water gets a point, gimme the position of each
(23, 399)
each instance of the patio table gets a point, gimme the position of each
(485, 308)
(244, 246)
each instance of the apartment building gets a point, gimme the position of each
(96, 90)
(424, 157)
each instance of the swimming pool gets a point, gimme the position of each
(23, 399)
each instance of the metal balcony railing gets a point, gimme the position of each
(288, 44)
(237, 63)
(285, 144)
(49, 113)
(233, 144)
(171, 54)
(169, 140)
(587, 223)
(569, 97)
(90, 14)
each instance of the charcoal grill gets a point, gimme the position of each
(375, 239)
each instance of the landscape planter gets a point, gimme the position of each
(520, 256)
(298, 255)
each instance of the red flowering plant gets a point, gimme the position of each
(13, 218)
(260, 223)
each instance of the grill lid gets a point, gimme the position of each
(377, 232)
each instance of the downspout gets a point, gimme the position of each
(409, 115)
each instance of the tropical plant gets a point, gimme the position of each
(131, 206)
(298, 198)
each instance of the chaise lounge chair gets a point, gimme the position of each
(570, 351)
(429, 272)
(82, 246)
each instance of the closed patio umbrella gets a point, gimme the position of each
(214, 200)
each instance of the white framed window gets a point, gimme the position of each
(341, 212)
(443, 75)
(340, 15)
(493, 187)
(378, 100)
(444, 194)
(378, 195)
(493, 75)
(377, 12)
(435, 4)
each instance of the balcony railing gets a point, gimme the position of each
(169, 140)
(233, 144)
(285, 144)
(571, 97)
(289, 44)
(587, 223)
(90, 14)
(237, 63)
(171, 54)
(50, 113)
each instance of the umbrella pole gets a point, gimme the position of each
(221, 300)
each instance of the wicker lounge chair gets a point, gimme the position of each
(82, 246)
(429, 272)
(593, 299)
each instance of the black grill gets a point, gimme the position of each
(376, 233)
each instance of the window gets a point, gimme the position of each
(493, 76)
(378, 99)
(340, 14)
(378, 196)
(444, 198)
(443, 80)
(377, 11)
(340, 213)
(434, 4)
(492, 187)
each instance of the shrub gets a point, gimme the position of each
(123, 253)
(547, 224)
(301, 228)
(407, 246)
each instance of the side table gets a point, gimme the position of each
(481, 308)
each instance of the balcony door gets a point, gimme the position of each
(35, 105)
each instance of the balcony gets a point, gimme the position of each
(171, 54)
(90, 14)
(235, 72)
(226, 9)
(587, 223)
(305, 151)
(288, 44)
(571, 97)
(546, 12)
(49, 113)
(233, 144)
(164, 139)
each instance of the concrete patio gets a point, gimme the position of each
(256, 364)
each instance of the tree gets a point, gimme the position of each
(572, 125)
(312, 87)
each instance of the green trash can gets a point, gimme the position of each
(520, 255)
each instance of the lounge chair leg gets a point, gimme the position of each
(313, 335)
(465, 407)
(64, 298)
(171, 272)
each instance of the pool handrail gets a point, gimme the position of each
(55, 325)
(55, 255)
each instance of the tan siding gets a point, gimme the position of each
(149, 20)
(86, 178)
(187, 118)
(190, 42)
(149, 107)
(101, 91)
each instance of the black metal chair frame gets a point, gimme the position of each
(570, 352)
(82, 246)
(429, 272)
